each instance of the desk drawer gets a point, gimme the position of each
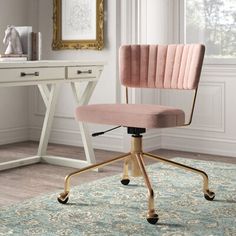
(31, 74)
(83, 72)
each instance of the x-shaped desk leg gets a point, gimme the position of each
(83, 99)
(49, 95)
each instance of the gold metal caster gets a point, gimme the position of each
(63, 197)
(209, 195)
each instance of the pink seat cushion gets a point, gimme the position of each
(131, 115)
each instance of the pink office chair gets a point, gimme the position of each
(147, 66)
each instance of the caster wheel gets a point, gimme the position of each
(63, 201)
(63, 198)
(209, 195)
(125, 181)
(153, 220)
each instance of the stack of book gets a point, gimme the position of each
(31, 45)
(36, 42)
(13, 57)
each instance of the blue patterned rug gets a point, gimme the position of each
(105, 207)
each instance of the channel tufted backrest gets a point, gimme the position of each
(175, 66)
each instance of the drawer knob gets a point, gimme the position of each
(84, 72)
(22, 74)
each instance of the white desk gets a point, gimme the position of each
(49, 76)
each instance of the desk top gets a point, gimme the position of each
(48, 63)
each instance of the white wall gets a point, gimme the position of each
(13, 101)
(213, 129)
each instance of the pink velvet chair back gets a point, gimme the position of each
(161, 66)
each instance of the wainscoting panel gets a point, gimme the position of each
(209, 110)
(213, 129)
(210, 107)
(14, 114)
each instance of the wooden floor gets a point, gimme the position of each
(26, 182)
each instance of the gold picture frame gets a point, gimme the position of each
(78, 26)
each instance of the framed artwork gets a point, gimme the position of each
(78, 24)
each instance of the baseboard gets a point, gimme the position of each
(115, 142)
(112, 142)
(14, 135)
(214, 146)
(152, 142)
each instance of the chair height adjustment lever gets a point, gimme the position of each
(103, 132)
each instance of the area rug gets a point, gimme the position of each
(105, 207)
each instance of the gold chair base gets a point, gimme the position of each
(135, 160)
